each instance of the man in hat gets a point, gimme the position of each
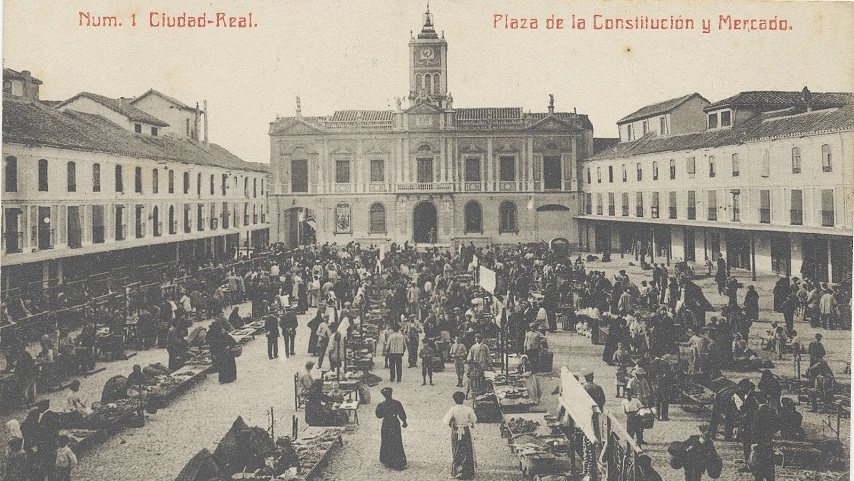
(634, 423)
(459, 354)
(594, 390)
(396, 349)
(533, 343)
(765, 425)
(828, 307)
(816, 350)
(479, 353)
(272, 327)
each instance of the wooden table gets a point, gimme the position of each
(350, 407)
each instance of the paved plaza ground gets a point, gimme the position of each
(201, 416)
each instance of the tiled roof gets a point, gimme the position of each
(757, 128)
(366, 115)
(121, 106)
(565, 116)
(775, 99)
(602, 143)
(165, 97)
(33, 123)
(9, 73)
(659, 108)
(489, 113)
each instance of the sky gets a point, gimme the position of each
(339, 55)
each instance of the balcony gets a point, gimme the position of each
(425, 187)
(713, 213)
(827, 218)
(764, 216)
(736, 214)
(653, 211)
(797, 217)
(691, 213)
(611, 210)
(639, 211)
(625, 211)
(472, 187)
(672, 213)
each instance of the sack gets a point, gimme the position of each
(716, 465)
(236, 351)
(647, 418)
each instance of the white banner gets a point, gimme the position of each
(487, 279)
(579, 405)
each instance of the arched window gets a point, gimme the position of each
(473, 217)
(72, 177)
(826, 160)
(42, 175)
(428, 83)
(640, 172)
(436, 84)
(199, 184)
(598, 175)
(419, 82)
(186, 183)
(155, 181)
(655, 170)
(712, 170)
(155, 217)
(171, 181)
(507, 217)
(796, 160)
(377, 219)
(137, 180)
(625, 174)
(588, 175)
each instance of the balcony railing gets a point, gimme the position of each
(625, 211)
(797, 217)
(425, 187)
(653, 211)
(672, 213)
(736, 214)
(639, 211)
(764, 216)
(691, 213)
(611, 210)
(827, 218)
(713, 213)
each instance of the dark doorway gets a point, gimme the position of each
(688, 235)
(814, 251)
(551, 172)
(738, 249)
(840, 258)
(424, 223)
(45, 231)
(602, 237)
(781, 254)
(299, 226)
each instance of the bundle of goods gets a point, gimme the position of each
(801, 454)
(243, 448)
(522, 426)
(486, 408)
(201, 467)
(108, 413)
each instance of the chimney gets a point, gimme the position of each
(196, 114)
(205, 103)
(299, 108)
(551, 103)
(806, 96)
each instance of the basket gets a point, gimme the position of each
(236, 351)
(715, 467)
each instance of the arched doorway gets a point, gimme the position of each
(299, 227)
(424, 223)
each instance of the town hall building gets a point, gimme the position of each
(427, 172)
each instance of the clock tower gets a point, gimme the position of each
(428, 64)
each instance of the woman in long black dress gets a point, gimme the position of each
(313, 324)
(394, 417)
(221, 343)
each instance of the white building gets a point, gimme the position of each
(85, 191)
(766, 182)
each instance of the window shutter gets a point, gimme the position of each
(568, 168)
(538, 166)
(34, 227)
(62, 225)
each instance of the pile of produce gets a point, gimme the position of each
(521, 426)
(311, 450)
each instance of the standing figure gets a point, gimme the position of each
(461, 419)
(272, 328)
(427, 353)
(396, 349)
(221, 344)
(289, 324)
(699, 453)
(459, 354)
(634, 423)
(391, 444)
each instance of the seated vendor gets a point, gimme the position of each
(823, 384)
(524, 366)
(318, 408)
(76, 402)
(790, 421)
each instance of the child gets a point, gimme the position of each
(427, 353)
(65, 460)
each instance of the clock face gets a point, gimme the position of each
(427, 53)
